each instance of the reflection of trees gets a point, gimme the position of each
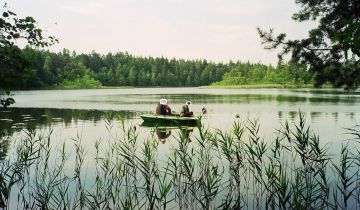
(315, 115)
(43, 117)
(333, 100)
(292, 99)
(293, 115)
(280, 114)
(249, 98)
(351, 115)
(326, 92)
(287, 97)
(335, 116)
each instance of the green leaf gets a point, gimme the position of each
(11, 100)
(30, 19)
(11, 13)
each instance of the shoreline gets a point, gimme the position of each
(255, 86)
(260, 86)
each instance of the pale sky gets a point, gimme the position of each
(217, 30)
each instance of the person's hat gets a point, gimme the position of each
(188, 103)
(163, 101)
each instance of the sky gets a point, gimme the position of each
(217, 30)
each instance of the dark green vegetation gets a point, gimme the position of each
(5, 99)
(13, 65)
(14, 28)
(332, 49)
(70, 70)
(237, 169)
(258, 74)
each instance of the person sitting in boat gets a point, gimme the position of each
(185, 112)
(163, 108)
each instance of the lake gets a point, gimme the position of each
(97, 115)
(328, 111)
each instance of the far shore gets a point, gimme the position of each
(258, 86)
(253, 86)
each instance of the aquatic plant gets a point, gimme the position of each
(234, 169)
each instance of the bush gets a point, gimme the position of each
(79, 83)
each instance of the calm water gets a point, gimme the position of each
(328, 111)
(325, 109)
(86, 114)
(82, 112)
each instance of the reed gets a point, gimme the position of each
(233, 169)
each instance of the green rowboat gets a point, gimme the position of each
(170, 120)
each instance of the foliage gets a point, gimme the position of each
(13, 28)
(7, 100)
(331, 50)
(79, 83)
(14, 67)
(49, 69)
(234, 169)
(254, 74)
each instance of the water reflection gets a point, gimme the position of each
(291, 97)
(15, 119)
(293, 115)
(315, 115)
(185, 133)
(327, 91)
(4, 144)
(163, 133)
(4, 147)
(351, 115)
(233, 98)
(335, 116)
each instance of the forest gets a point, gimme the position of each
(330, 55)
(44, 69)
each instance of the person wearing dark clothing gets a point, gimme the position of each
(185, 112)
(162, 108)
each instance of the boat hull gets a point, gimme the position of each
(170, 120)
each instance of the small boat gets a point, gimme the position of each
(170, 120)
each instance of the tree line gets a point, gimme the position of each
(68, 69)
(254, 74)
(330, 53)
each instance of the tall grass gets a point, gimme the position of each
(234, 169)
